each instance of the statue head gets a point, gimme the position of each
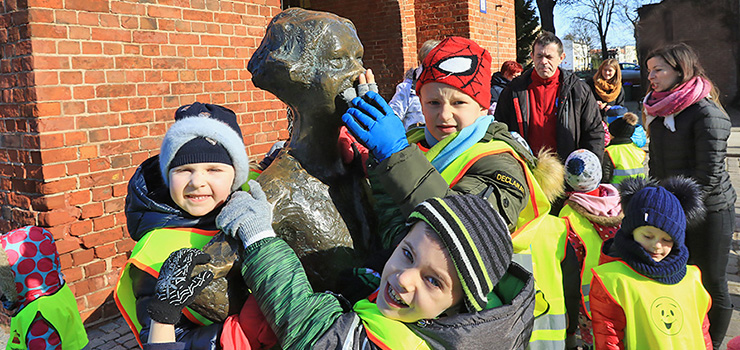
(307, 58)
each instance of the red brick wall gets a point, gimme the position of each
(94, 100)
(89, 87)
(494, 30)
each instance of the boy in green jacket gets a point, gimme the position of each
(450, 283)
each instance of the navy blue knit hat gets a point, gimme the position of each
(477, 239)
(671, 206)
(655, 206)
(204, 133)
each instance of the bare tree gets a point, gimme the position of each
(598, 13)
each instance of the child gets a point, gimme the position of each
(405, 102)
(639, 137)
(463, 150)
(647, 297)
(623, 158)
(450, 283)
(43, 309)
(593, 214)
(172, 203)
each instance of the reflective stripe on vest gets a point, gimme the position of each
(149, 254)
(548, 251)
(657, 315)
(537, 204)
(591, 244)
(385, 332)
(60, 310)
(628, 161)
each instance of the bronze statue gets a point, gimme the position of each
(322, 208)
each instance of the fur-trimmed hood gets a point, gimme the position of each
(29, 266)
(608, 221)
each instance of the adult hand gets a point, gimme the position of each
(366, 83)
(373, 122)
(175, 288)
(247, 216)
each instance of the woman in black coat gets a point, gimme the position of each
(688, 131)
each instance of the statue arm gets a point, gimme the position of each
(297, 315)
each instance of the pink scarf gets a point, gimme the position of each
(666, 103)
(606, 204)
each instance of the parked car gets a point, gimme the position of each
(630, 73)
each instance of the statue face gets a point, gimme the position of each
(340, 61)
(307, 58)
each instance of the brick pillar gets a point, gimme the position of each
(494, 30)
(89, 87)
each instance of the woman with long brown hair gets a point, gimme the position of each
(688, 131)
(606, 85)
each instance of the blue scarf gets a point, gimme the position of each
(459, 142)
(670, 270)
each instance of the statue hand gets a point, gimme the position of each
(374, 123)
(247, 216)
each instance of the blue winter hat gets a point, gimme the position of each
(204, 133)
(656, 206)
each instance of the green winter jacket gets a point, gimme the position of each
(407, 178)
(303, 319)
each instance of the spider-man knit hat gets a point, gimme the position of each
(460, 63)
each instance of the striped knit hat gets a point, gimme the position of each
(476, 238)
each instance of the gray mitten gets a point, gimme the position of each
(175, 288)
(247, 216)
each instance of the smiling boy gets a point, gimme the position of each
(450, 283)
(172, 203)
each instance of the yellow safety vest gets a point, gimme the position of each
(658, 316)
(538, 240)
(548, 251)
(60, 310)
(628, 161)
(148, 255)
(592, 243)
(385, 332)
(537, 204)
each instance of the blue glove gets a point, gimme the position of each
(247, 216)
(374, 123)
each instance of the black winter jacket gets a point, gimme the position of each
(579, 121)
(696, 149)
(149, 206)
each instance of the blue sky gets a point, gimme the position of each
(620, 32)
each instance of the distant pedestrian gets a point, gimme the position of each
(405, 103)
(551, 107)
(622, 157)
(606, 85)
(688, 130)
(499, 80)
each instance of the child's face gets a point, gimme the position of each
(199, 188)
(419, 280)
(657, 242)
(447, 109)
